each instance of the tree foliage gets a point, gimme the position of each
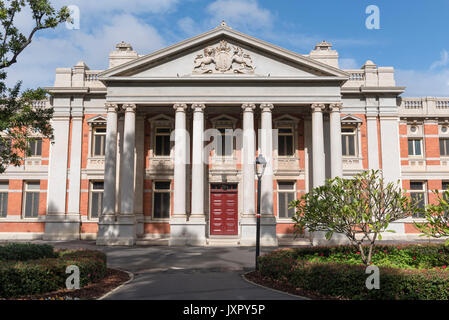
(20, 120)
(360, 208)
(437, 218)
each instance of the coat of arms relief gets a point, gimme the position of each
(223, 59)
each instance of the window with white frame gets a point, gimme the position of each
(4, 186)
(161, 201)
(162, 142)
(349, 141)
(444, 146)
(98, 141)
(31, 199)
(36, 148)
(225, 142)
(415, 147)
(418, 194)
(286, 194)
(96, 199)
(285, 142)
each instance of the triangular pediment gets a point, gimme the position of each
(222, 52)
(350, 119)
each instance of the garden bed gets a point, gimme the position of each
(33, 271)
(406, 272)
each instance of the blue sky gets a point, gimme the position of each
(412, 36)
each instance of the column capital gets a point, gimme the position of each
(111, 107)
(336, 107)
(198, 107)
(180, 107)
(129, 107)
(318, 107)
(266, 107)
(248, 107)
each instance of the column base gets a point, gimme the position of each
(268, 236)
(190, 232)
(139, 224)
(62, 227)
(117, 233)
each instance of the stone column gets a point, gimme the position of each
(373, 142)
(266, 149)
(268, 221)
(56, 222)
(180, 161)
(139, 173)
(198, 161)
(107, 229)
(127, 174)
(318, 145)
(335, 139)
(248, 158)
(110, 162)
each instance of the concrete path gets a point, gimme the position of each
(183, 273)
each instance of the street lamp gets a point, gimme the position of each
(261, 163)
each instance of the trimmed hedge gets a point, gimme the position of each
(347, 280)
(26, 251)
(20, 278)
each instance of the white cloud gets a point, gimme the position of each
(444, 60)
(424, 83)
(244, 14)
(38, 62)
(348, 63)
(188, 26)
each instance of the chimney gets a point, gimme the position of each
(323, 53)
(123, 53)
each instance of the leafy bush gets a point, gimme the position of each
(31, 277)
(25, 251)
(406, 272)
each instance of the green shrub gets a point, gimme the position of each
(325, 271)
(25, 251)
(19, 278)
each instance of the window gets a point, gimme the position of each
(286, 194)
(162, 142)
(4, 186)
(96, 199)
(36, 148)
(414, 147)
(285, 142)
(99, 142)
(161, 192)
(225, 142)
(418, 194)
(444, 146)
(348, 141)
(31, 199)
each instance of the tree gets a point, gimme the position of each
(437, 218)
(20, 119)
(360, 208)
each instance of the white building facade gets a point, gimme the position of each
(161, 147)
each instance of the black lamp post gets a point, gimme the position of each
(261, 163)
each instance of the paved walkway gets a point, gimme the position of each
(206, 273)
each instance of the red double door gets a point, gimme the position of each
(223, 209)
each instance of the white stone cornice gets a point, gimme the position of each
(248, 107)
(180, 107)
(266, 107)
(318, 107)
(198, 107)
